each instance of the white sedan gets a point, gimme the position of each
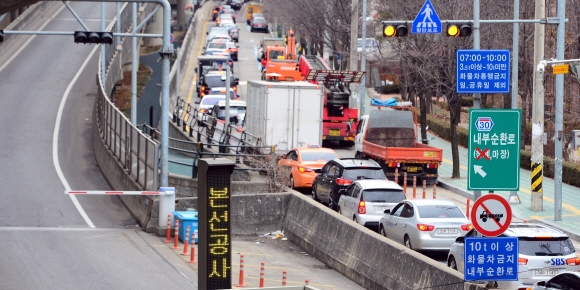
(425, 224)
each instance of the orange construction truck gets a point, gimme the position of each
(389, 136)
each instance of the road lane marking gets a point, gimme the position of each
(28, 41)
(55, 140)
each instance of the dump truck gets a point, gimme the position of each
(284, 114)
(252, 8)
(389, 136)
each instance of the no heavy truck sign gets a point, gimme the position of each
(491, 215)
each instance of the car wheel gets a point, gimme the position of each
(408, 242)
(354, 219)
(358, 155)
(251, 29)
(331, 204)
(314, 195)
(339, 210)
(452, 264)
(382, 231)
(292, 182)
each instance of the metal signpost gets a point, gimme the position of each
(483, 71)
(494, 149)
(427, 20)
(491, 259)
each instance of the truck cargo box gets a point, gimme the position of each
(284, 114)
(391, 128)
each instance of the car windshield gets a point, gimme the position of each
(216, 81)
(440, 211)
(210, 101)
(223, 93)
(234, 111)
(217, 45)
(318, 156)
(363, 173)
(259, 20)
(383, 195)
(560, 246)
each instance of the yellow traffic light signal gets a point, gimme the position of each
(392, 30)
(461, 30)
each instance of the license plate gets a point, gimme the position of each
(546, 272)
(430, 154)
(380, 208)
(412, 169)
(447, 231)
(334, 132)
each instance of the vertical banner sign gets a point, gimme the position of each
(494, 149)
(491, 259)
(214, 247)
(483, 71)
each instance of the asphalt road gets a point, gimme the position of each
(48, 239)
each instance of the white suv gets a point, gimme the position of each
(543, 253)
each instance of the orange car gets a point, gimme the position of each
(300, 164)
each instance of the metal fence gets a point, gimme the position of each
(137, 152)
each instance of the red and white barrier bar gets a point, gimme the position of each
(119, 192)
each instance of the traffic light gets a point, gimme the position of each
(461, 30)
(395, 30)
(93, 37)
(1, 35)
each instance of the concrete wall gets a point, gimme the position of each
(361, 254)
(187, 187)
(252, 214)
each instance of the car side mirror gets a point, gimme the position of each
(387, 211)
(195, 70)
(460, 240)
(318, 171)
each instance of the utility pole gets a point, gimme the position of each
(477, 96)
(353, 47)
(514, 198)
(363, 60)
(560, 38)
(538, 112)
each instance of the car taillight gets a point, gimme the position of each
(573, 261)
(466, 227)
(394, 164)
(361, 207)
(425, 228)
(342, 181)
(231, 62)
(202, 88)
(522, 261)
(203, 110)
(304, 169)
(432, 165)
(235, 89)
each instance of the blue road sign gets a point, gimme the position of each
(427, 21)
(483, 71)
(491, 259)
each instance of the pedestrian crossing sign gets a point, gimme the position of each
(427, 21)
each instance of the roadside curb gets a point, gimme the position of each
(572, 234)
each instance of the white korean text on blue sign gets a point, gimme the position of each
(491, 259)
(483, 71)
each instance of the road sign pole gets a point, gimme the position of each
(477, 96)
(363, 59)
(559, 112)
(514, 198)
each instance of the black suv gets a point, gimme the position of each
(337, 174)
(236, 4)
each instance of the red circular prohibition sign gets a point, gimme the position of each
(476, 220)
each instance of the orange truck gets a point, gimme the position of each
(281, 61)
(389, 136)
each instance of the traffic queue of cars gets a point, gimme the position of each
(358, 188)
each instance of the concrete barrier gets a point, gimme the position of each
(362, 255)
(251, 214)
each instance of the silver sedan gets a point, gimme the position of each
(424, 224)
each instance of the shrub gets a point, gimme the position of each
(392, 89)
(467, 102)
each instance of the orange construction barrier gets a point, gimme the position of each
(414, 187)
(186, 242)
(284, 278)
(435, 191)
(176, 242)
(262, 275)
(241, 281)
(168, 239)
(424, 189)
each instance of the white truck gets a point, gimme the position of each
(284, 114)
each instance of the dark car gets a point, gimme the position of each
(259, 24)
(336, 175)
(213, 80)
(215, 13)
(236, 4)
